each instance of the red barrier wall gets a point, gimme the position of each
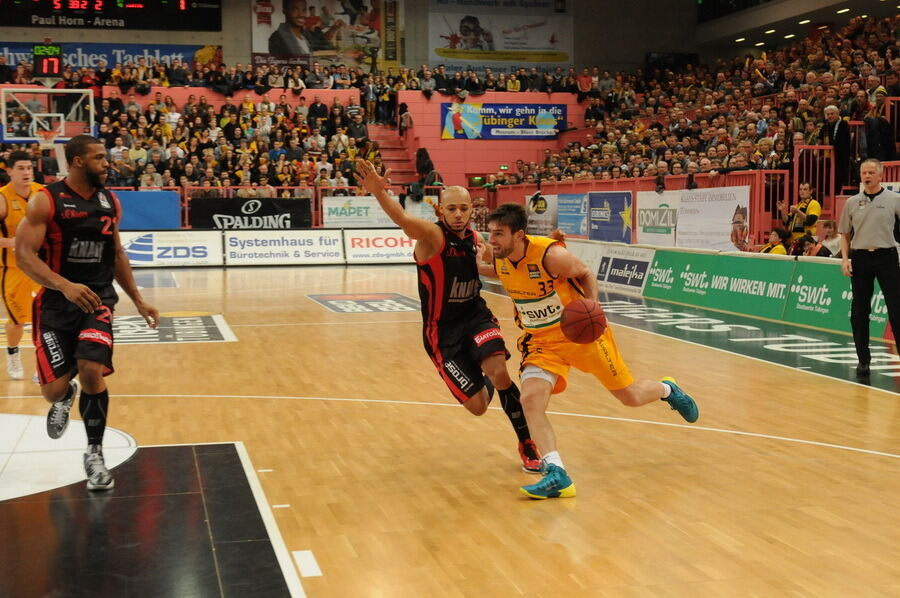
(180, 95)
(456, 158)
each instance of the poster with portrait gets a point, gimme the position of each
(500, 34)
(354, 33)
(717, 218)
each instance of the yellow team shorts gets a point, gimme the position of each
(554, 353)
(18, 294)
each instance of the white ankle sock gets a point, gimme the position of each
(553, 457)
(667, 390)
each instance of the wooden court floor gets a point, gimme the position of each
(398, 492)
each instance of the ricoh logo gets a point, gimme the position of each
(145, 250)
(662, 276)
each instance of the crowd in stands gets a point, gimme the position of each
(744, 113)
(735, 114)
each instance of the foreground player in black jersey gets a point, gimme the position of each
(461, 335)
(69, 243)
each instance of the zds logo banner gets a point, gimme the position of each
(175, 248)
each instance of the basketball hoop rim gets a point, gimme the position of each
(46, 138)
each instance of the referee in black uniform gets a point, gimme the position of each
(867, 226)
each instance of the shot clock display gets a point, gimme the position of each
(184, 15)
(47, 60)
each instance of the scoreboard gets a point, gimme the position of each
(47, 60)
(183, 15)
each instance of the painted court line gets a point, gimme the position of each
(306, 563)
(775, 363)
(345, 323)
(281, 506)
(560, 413)
(278, 545)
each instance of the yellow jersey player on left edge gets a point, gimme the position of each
(18, 290)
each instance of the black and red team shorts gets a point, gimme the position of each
(63, 334)
(457, 350)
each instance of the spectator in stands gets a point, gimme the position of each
(358, 130)
(6, 73)
(800, 219)
(830, 237)
(879, 138)
(808, 246)
(778, 240)
(836, 133)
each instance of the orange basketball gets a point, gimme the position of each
(583, 321)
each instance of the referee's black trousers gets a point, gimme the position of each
(868, 266)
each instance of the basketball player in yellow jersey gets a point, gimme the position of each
(541, 277)
(18, 289)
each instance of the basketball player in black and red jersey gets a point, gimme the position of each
(69, 243)
(462, 337)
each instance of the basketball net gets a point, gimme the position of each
(46, 140)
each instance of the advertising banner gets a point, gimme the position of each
(624, 268)
(424, 209)
(361, 33)
(173, 248)
(743, 285)
(541, 210)
(657, 217)
(256, 248)
(589, 252)
(357, 211)
(379, 246)
(716, 218)
(610, 216)
(254, 213)
(572, 213)
(78, 55)
(820, 296)
(502, 121)
(150, 210)
(500, 34)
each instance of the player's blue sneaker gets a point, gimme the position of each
(556, 483)
(681, 401)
